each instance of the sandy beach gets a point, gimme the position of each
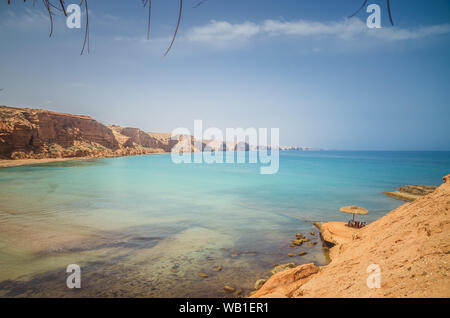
(7, 163)
(4, 163)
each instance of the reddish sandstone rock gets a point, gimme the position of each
(38, 134)
(410, 246)
(284, 283)
(132, 137)
(33, 133)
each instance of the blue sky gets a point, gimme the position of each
(302, 66)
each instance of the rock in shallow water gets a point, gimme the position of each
(228, 289)
(297, 242)
(259, 283)
(282, 267)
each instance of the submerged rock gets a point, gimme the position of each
(291, 254)
(250, 253)
(279, 268)
(297, 242)
(318, 225)
(259, 283)
(300, 241)
(302, 253)
(204, 275)
(229, 289)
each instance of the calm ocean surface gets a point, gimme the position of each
(143, 226)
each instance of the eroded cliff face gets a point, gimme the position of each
(34, 133)
(139, 141)
(27, 133)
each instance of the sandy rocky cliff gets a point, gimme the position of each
(411, 245)
(27, 133)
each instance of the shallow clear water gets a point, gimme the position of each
(143, 226)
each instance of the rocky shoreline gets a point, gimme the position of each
(328, 237)
(411, 192)
(410, 245)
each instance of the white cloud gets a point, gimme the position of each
(396, 34)
(27, 19)
(345, 29)
(224, 33)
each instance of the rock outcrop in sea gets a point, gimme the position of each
(411, 192)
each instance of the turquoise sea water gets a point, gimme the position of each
(144, 226)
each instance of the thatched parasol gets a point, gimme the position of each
(353, 209)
